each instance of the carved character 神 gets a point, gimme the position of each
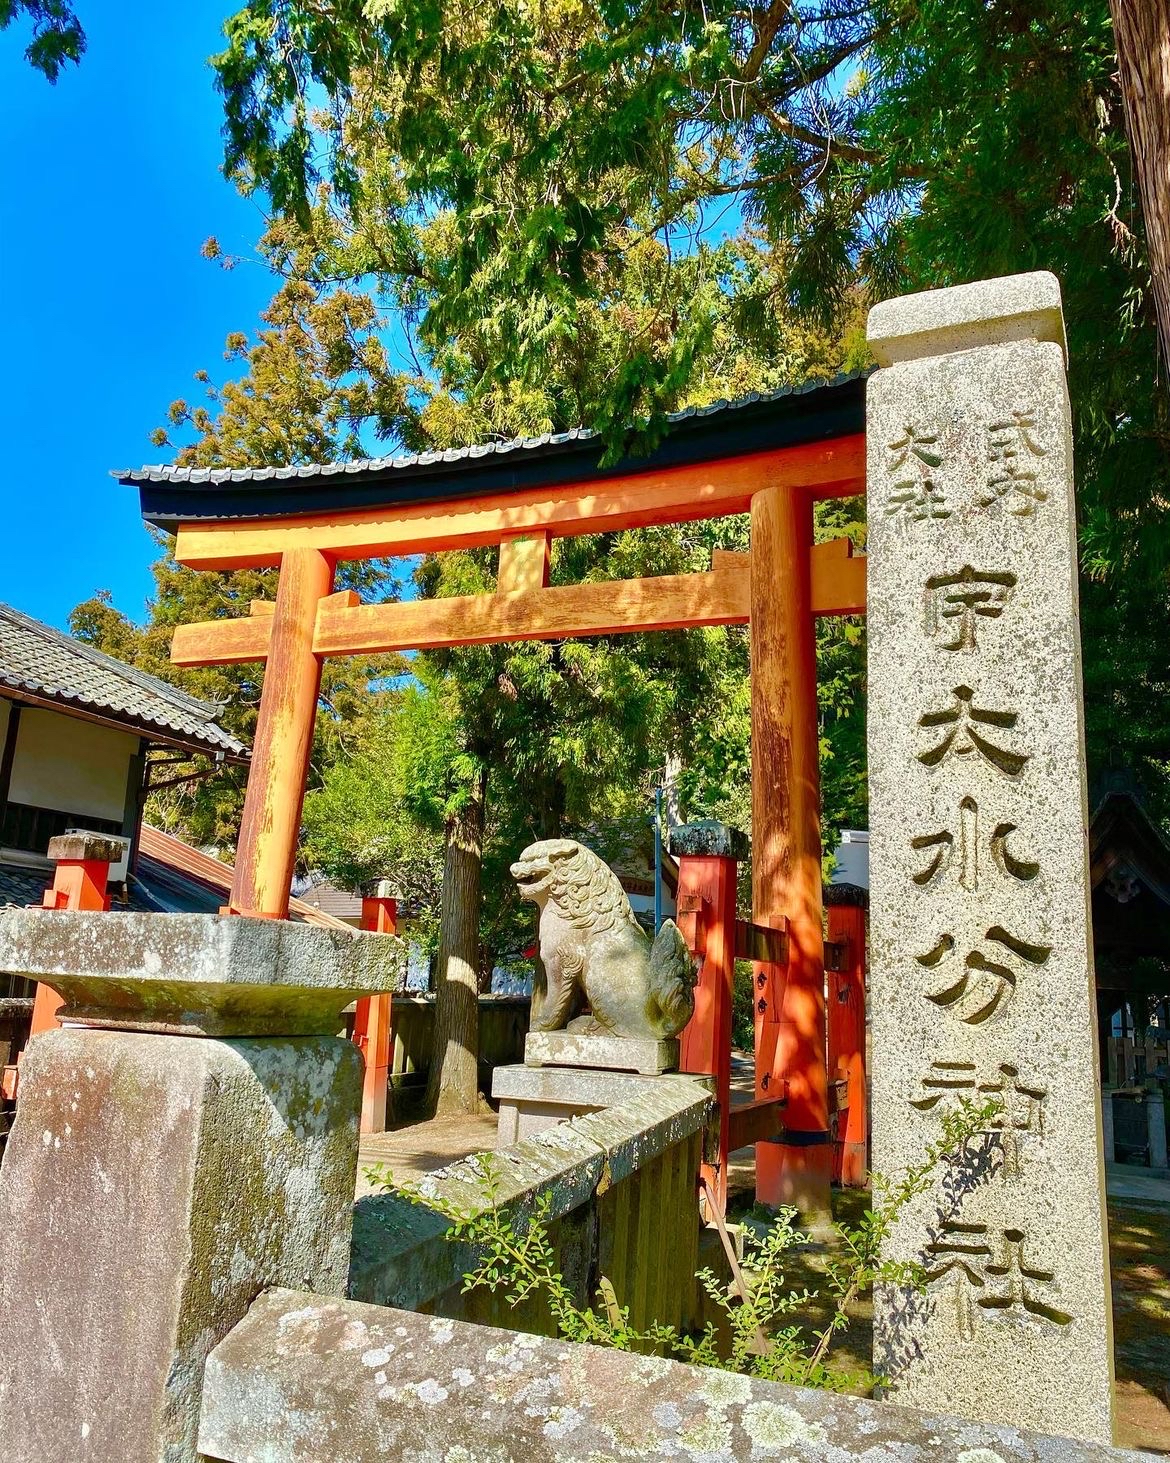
(596, 955)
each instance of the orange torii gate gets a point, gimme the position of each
(769, 456)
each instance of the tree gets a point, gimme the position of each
(296, 401)
(57, 33)
(1143, 52)
(495, 170)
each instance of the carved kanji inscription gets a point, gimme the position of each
(967, 730)
(916, 493)
(991, 1278)
(987, 982)
(955, 603)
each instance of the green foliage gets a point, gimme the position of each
(763, 1332)
(57, 33)
(297, 401)
(589, 214)
(743, 1008)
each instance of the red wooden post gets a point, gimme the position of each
(371, 1026)
(847, 908)
(79, 882)
(786, 852)
(266, 852)
(707, 854)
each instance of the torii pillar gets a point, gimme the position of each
(372, 1021)
(786, 853)
(266, 854)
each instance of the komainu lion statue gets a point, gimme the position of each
(596, 955)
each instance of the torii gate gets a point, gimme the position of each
(770, 456)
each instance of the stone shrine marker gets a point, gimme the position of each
(982, 974)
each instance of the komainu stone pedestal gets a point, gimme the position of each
(155, 1183)
(601, 1053)
(535, 1098)
(982, 976)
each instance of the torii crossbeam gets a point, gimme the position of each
(771, 456)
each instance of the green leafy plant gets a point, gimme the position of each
(763, 1334)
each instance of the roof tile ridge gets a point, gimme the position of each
(198, 477)
(134, 674)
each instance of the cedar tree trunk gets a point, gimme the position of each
(1142, 32)
(452, 1084)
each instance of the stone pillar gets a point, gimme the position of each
(982, 967)
(1156, 1118)
(191, 1143)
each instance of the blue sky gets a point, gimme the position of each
(110, 184)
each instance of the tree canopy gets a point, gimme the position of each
(57, 34)
(502, 175)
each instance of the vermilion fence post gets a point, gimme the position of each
(846, 1006)
(79, 882)
(371, 1027)
(707, 854)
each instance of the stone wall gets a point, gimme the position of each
(621, 1188)
(503, 1025)
(304, 1378)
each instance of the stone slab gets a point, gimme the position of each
(982, 973)
(151, 1187)
(305, 1378)
(988, 312)
(198, 974)
(85, 848)
(593, 1086)
(606, 1053)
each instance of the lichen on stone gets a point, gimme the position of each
(772, 1425)
(709, 1436)
(725, 1389)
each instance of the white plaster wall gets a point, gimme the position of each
(71, 765)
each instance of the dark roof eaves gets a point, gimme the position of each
(152, 729)
(172, 495)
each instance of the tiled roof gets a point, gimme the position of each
(800, 416)
(21, 885)
(171, 878)
(168, 473)
(319, 893)
(51, 666)
(186, 880)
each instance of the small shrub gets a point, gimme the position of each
(767, 1339)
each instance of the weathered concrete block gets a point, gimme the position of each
(982, 973)
(151, 1187)
(303, 1378)
(198, 974)
(607, 1053)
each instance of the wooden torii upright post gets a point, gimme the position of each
(799, 448)
(786, 851)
